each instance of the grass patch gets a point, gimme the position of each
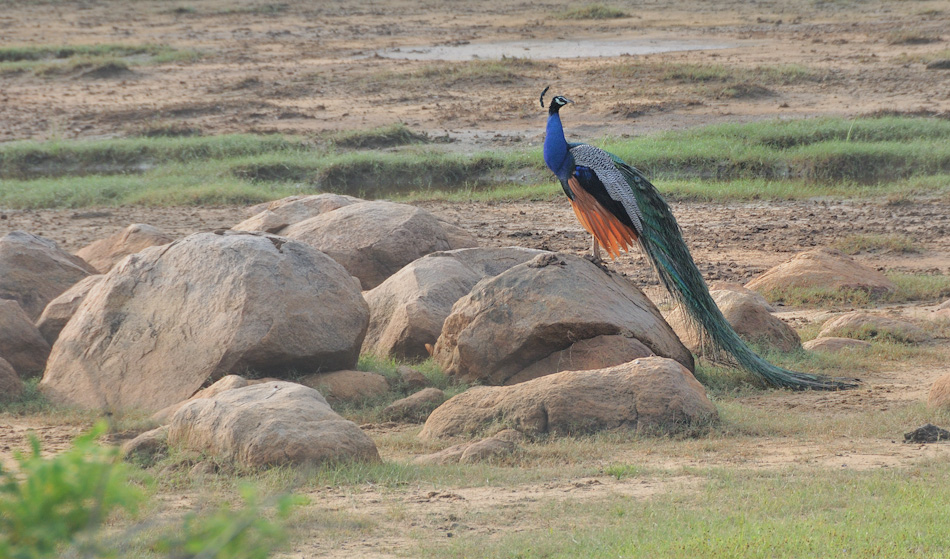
(892, 156)
(911, 37)
(397, 134)
(909, 287)
(30, 402)
(783, 514)
(877, 243)
(592, 11)
(98, 59)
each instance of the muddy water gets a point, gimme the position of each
(584, 48)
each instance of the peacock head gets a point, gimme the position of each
(557, 101)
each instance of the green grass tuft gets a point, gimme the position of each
(592, 11)
(101, 58)
(397, 134)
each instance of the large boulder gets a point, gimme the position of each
(749, 316)
(269, 424)
(553, 303)
(21, 344)
(58, 312)
(168, 319)
(822, 268)
(653, 394)
(868, 326)
(11, 386)
(277, 215)
(407, 310)
(374, 240)
(33, 271)
(104, 253)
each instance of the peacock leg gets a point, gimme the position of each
(595, 250)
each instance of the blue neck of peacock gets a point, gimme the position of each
(556, 154)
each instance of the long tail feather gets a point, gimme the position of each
(662, 242)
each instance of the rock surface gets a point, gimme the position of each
(104, 253)
(275, 216)
(11, 386)
(411, 378)
(228, 382)
(510, 322)
(58, 312)
(21, 343)
(939, 396)
(269, 424)
(654, 394)
(822, 268)
(927, 433)
(374, 240)
(415, 407)
(494, 448)
(168, 319)
(34, 271)
(863, 325)
(749, 316)
(835, 345)
(347, 386)
(408, 309)
(148, 446)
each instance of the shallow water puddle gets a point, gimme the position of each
(584, 48)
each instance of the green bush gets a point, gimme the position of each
(60, 503)
(55, 501)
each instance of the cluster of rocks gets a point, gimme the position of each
(295, 294)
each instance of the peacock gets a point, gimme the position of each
(619, 207)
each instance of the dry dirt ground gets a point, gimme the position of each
(309, 67)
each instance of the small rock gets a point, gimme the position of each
(412, 379)
(863, 325)
(939, 396)
(416, 407)
(487, 450)
(105, 253)
(277, 423)
(823, 268)
(835, 345)
(202, 469)
(347, 386)
(11, 387)
(147, 447)
(492, 448)
(749, 315)
(928, 433)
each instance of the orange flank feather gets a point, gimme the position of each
(610, 232)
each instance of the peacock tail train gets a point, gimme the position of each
(662, 241)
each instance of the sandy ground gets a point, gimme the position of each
(309, 67)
